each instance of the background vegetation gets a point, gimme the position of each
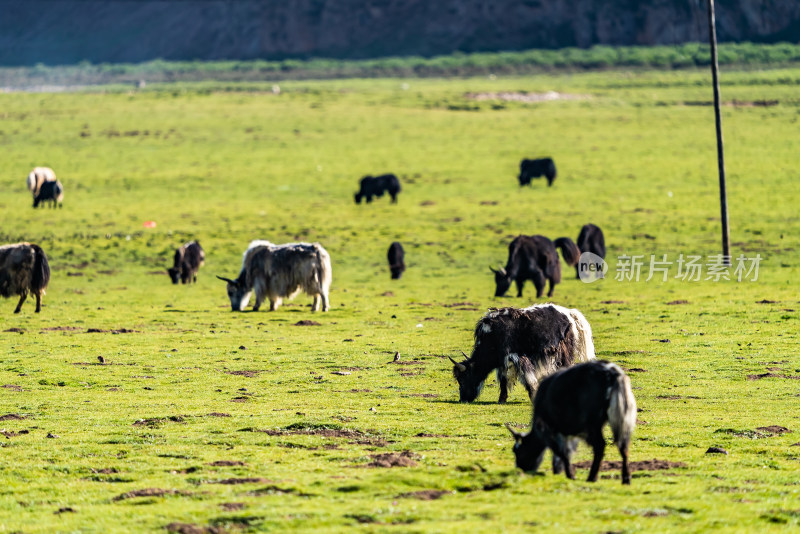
(251, 421)
(458, 64)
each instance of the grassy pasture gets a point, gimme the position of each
(252, 422)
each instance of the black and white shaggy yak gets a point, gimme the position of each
(396, 257)
(523, 345)
(23, 269)
(52, 192)
(187, 261)
(375, 186)
(38, 176)
(578, 402)
(534, 258)
(534, 168)
(590, 239)
(276, 272)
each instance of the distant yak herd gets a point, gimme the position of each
(548, 348)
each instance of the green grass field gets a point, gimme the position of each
(218, 421)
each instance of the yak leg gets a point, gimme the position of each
(325, 302)
(552, 287)
(538, 281)
(520, 282)
(315, 304)
(503, 378)
(21, 300)
(369, 199)
(626, 474)
(39, 305)
(274, 303)
(598, 447)
(570, 447)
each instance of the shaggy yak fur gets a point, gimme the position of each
(590, 240)
(533, 258)
(52, 192)
(23, 269)
(578, 402)
(523, 345)
(38, 176)
(281, 271)
(396, 258)
(375, 186)
(534, 168)
(187, 261)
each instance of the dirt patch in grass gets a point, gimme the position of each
(470, 305)
(232, 506)
(156, 422)
(773, 430)
(306, 322)
(527, 98)
(115, 331)
(13, 387)
(428, 435)
(60, 329)
(10, 434)
(188, 528)
(424, 495)
(642, 465)
(766, 301)
(674, 302)
(15, 329)
(218, 414)
(423, 395)
(354, 436)
(243, 480)
(772, 375)
(150, 492)
(276, 490)
(226, 463)
(613, 302)
(394, 459)
(12, 417)
(248, 374)
(106, 471)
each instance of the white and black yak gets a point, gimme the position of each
(23, 269)
(52, 192)
(276, 272)
(523, 345)
(38, 176)
(534, 258)
(396, 257)
(578, 402)
(375, 186)
(187, 261)
(534, 168)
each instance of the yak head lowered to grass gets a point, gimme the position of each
(238, 294)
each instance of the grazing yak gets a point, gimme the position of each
(534, 168)
(38, 176)
(578, 402)
(23, 269)
(52, 192)
(396, 258)
(590, 240)
(187, 261)
(533, 258)
(375, 186)
(281, 271)
(523, 345)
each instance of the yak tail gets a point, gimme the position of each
(585, 345)
(621, 410)
(40, 276)
(326, 271)
(569, 250)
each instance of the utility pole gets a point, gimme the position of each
(723, 195)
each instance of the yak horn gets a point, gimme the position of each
(517, 435)
(226, 279)
(493, 269)
(461, 367)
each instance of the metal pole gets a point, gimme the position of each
(723, 196)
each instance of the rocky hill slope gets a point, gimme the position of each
(69, 31)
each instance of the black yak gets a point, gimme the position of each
(281, 271)
(523, 345)
(52, 192)
(375, 186)
(533, 258)
(534, 168)
(23, 269)
(187, 261)
(396, 257)
(590, 239)
(578, 401)
(38, 176)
